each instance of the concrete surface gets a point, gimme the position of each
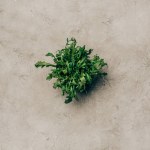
(33, 115)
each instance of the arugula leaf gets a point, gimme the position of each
(49, 77)
(50, 54)
(73, 69)
(43, 64)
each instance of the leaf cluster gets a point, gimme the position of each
(73, 68)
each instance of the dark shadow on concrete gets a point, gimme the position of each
(97, 84)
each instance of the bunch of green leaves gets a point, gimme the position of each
(74, 69)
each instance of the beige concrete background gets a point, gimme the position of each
(33, 115)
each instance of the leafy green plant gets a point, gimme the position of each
(74, 69)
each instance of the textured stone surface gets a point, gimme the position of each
(33, 115)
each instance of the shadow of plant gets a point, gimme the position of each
(97, 83)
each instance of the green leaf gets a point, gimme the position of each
(50, 54)
(49, 77)
(88, 77)
(64, 71)
(83, 81)
(68, 99)
(43, 64)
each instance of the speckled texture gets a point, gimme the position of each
(33, 115)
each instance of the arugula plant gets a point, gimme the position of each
(74, 69)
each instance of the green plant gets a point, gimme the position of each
(73, 69)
